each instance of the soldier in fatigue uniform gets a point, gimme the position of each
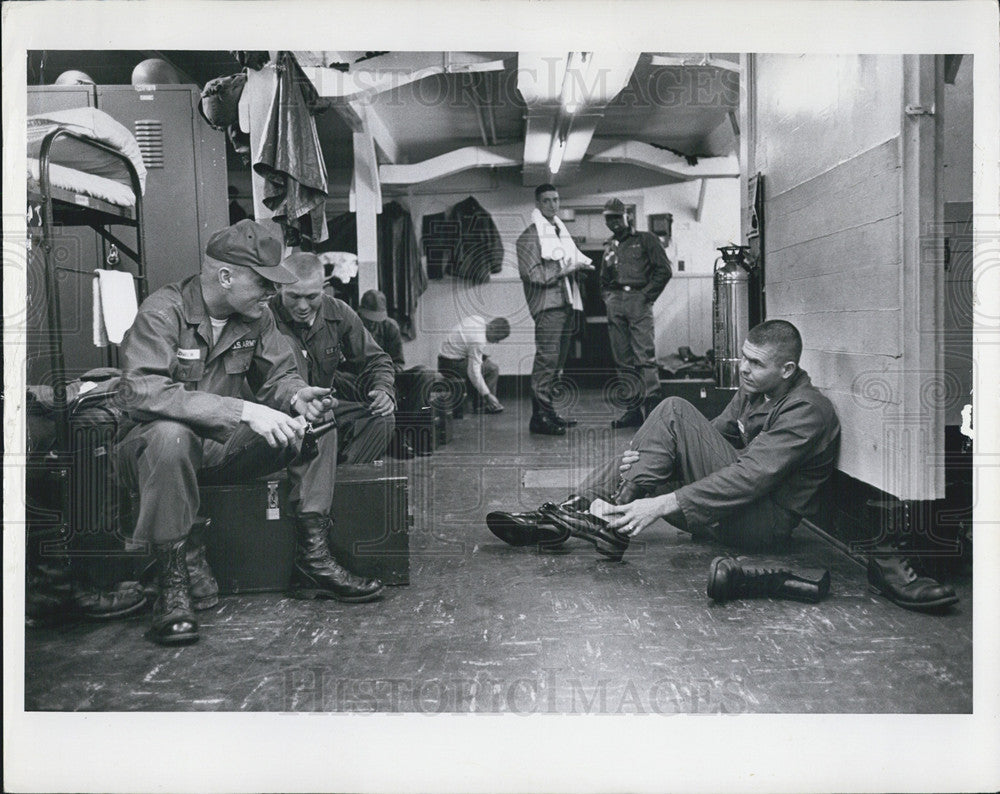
(634, 272)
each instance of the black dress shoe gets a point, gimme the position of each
(526, 529)
(544, 426)
(631, 418)
(609, 542)
(895, 578)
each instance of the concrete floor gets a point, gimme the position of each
(487, 628)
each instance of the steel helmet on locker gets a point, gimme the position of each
(155, 71)
(74, 77)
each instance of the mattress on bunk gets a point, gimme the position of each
(70, 153)
(82, 183)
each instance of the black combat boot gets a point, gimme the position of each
(173, 620)
(543, 420)
(896, 579)
(317, 574)
(204, 588)
(572, 516)
(745, 578)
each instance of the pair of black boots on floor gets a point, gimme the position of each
(550, 526)
(185, 583)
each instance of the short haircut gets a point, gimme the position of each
(780, 335)
(303, 264)
(546, 188)
(498, 328)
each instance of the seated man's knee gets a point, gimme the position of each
(170, 440)
(673, 406)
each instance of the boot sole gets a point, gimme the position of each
(310, 593)
(182, 639)
(916, 606)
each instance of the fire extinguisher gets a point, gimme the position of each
(731, 312)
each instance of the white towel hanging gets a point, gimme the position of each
(115, 306)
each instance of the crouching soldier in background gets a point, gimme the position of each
(193, 349)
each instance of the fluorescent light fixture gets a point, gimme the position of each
(556, 156)
(577, 71)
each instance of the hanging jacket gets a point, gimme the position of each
(479, 251)
(401, 275)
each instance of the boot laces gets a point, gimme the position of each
(906, 566)
(757, 579)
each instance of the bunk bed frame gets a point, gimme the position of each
(76, 209)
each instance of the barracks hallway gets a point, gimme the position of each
(487, 628)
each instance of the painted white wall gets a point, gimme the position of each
(824, 110)
(842, 187)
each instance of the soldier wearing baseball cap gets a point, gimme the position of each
(634, 271)
(250, 244)
(195, 349)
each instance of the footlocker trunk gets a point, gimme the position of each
(250, 540)
(371, 523)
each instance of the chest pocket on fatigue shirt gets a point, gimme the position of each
(238, 358)
(190, 371)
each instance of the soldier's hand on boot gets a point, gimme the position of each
(313, 402)
(629, 456)
(381, 404)
(276, 427)
(633, 518)
(493, 403)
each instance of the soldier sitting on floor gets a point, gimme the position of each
(747, 478)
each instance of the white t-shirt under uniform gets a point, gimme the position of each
(466, 342)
